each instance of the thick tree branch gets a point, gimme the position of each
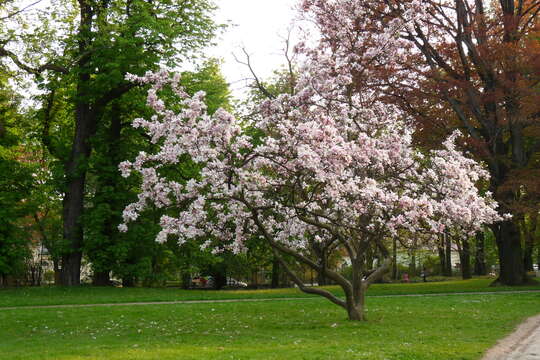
(34, 71)
(377, 274)
(308, 289)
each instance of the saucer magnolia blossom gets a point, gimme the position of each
(324, 174)
(330, 168)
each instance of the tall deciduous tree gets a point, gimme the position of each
(481, 58)
(127, 255)
(16, 183)
(86, 48)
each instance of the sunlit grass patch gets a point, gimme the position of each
(103, 295)
(419, 328)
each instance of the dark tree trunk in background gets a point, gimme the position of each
(75, 167)
(321, 251)
(220, 279)
(442, 258)
(511, 270)
(448, 256)
(465, 259)
(275, 274)
(73, 204)
(394, 259)
(480, 267)
(412, 264)
(529, 231)
(528, 256)
(321, 276)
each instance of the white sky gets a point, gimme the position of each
(260, 26)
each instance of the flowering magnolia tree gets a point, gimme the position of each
(329, 167)
(467, 64)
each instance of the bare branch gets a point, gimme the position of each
(20, 10)
(258, 82)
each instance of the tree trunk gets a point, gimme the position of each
(75, 167)
(73, 204)
(355, 301)
(412, 264)
(480, 267)
(394, 259)
(321, 277)
(448, 256)
(465, 260)
(529, 230)
(355, 313)
(528, 254)
(442, 259)
(538, 257)
(508, 241)
(275, 273)
(57, 273)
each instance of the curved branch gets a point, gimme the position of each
(377, 274)
(34, 71)
(308, 289)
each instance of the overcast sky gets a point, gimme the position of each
(259, 26)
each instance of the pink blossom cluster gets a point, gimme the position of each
(333, 163)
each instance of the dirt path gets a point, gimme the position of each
(522, 344)
(249, 300)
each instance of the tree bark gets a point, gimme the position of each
(508, 241)
(75, 167)
(528, 254)
(529, 230)
(442, 258)
(480, 267)
(394, 259)
(73, 204)
(448, 256)
(465, 259)
(321, 276)
(275, 274)
(412, 264)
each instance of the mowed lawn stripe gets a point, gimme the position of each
(399, 328)
(37, 296)
(253, 300)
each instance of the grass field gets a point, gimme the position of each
(102, 295)
(399, 328)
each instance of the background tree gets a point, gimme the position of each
(84, 49)
(480, 58)
(132, 255)
(16, 182)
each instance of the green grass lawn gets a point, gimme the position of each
(100, 295)
(414, 328)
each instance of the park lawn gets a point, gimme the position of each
(50, 295)
(398, 328)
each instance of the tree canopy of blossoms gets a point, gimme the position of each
(328, 166)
